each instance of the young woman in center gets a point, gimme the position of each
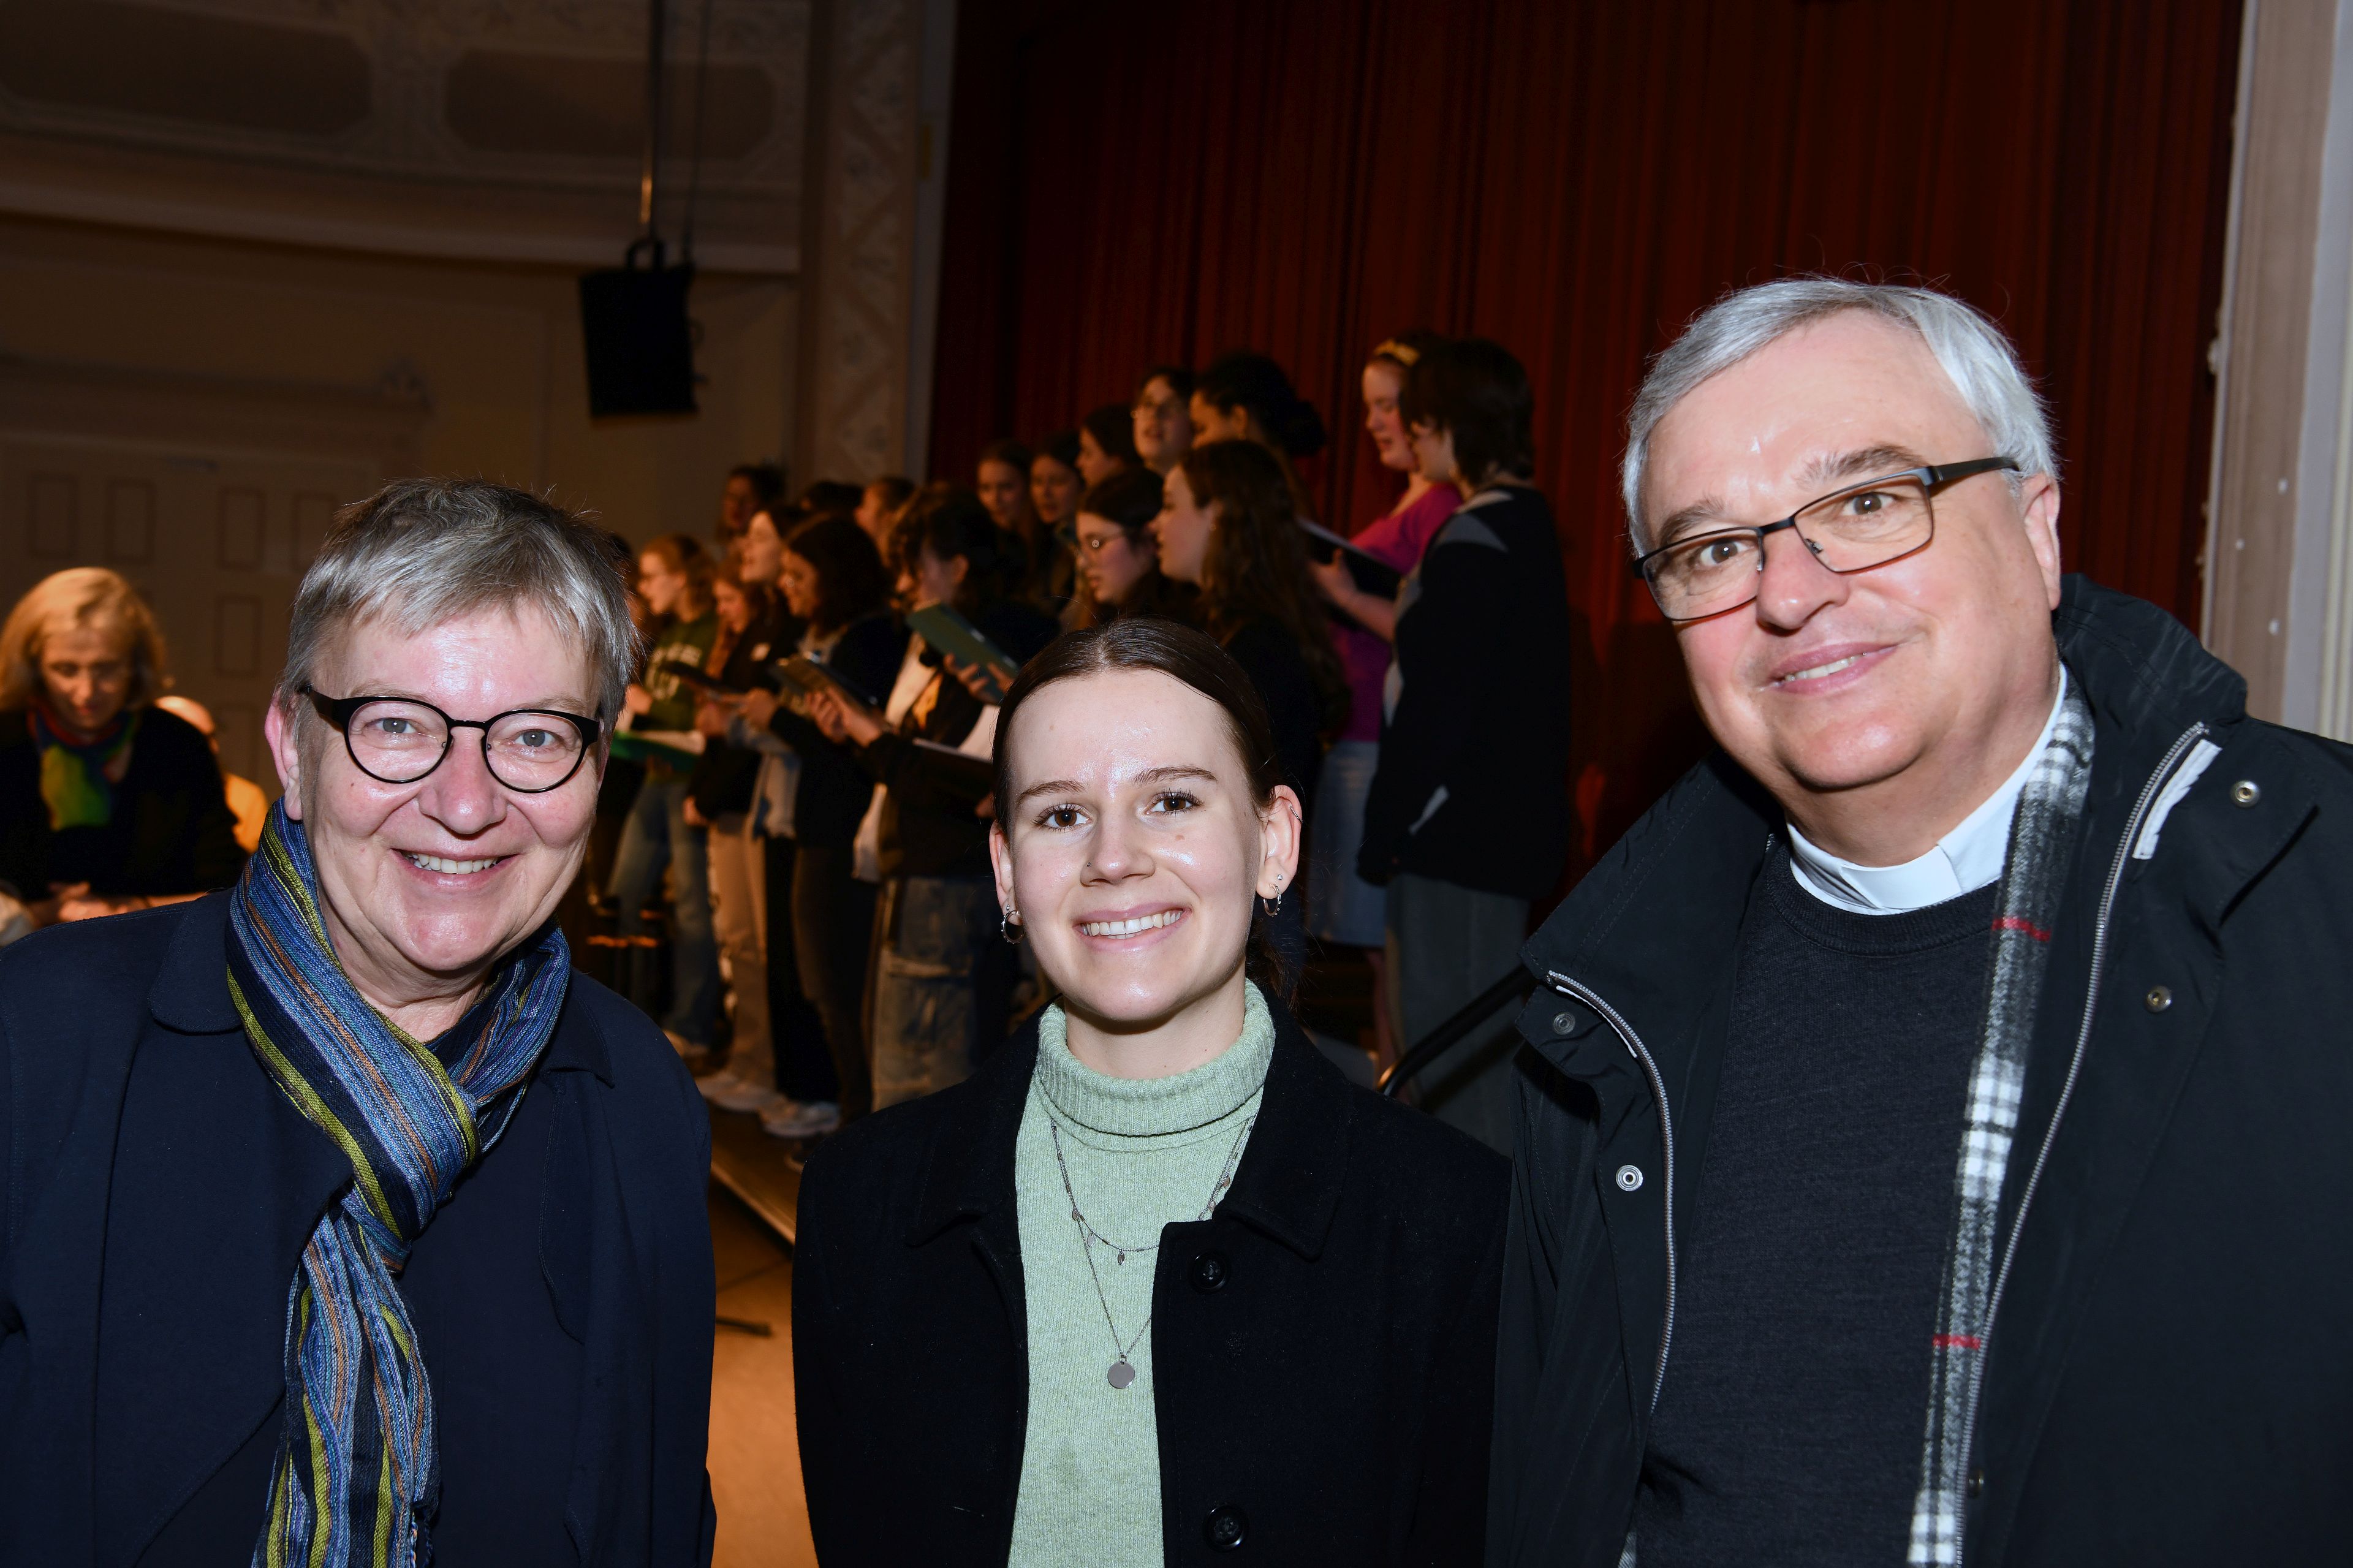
(1154, 1282)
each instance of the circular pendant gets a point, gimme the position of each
(1122, 1374)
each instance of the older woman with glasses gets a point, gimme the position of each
(247, 1117)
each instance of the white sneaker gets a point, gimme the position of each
(712, 1086)
(743, 1095)
(793, 1119)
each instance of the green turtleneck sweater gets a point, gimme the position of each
(1142, 1153)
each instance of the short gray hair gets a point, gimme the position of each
(1975, 353)
(428, 552)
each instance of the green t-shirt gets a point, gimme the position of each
(687, 643)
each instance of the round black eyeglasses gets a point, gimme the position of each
(398, 740)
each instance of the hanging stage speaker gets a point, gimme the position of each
(640, 344)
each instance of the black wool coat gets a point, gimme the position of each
(156, 1189)
(1324, 1344)
(2166, 1380)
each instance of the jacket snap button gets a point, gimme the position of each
(1977, 1483)
(1562, 1023)
(1629, 1178)
(2159, 999)
(1210, 1272)
(2246, 791)
(1224, 1528)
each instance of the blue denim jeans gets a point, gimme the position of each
(657, 834)
(930, 971)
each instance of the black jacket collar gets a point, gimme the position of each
(1677, 884)
(191, 993)
(1288, 1186)
(1650, 932)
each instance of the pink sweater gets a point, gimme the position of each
(1399, 539)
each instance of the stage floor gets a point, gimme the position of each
(764, 1173)
(755, 1466)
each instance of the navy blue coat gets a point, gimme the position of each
(156, 1189)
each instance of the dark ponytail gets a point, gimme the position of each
(1256, 384)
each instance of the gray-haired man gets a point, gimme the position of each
(1933, 1139)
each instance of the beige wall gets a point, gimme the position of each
(495, 348)
(190, 378)
(189, 411)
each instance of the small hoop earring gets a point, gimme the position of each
(1273, 906)
(1008, 925)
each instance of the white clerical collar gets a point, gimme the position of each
(1966, 859)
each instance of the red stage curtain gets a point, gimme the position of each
(1140, 183)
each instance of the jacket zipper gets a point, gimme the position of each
(1640, 1053)
(2149, 792)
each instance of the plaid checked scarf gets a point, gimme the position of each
(357, 1478)
(2033, 876)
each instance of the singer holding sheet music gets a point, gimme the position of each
(674, 575)
(942, 980)
(1468, 818)
(1226, 524)
(1344, 907)
(834, 580)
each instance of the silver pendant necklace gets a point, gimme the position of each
(1123, 1370)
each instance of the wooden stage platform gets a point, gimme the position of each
(763, 1172)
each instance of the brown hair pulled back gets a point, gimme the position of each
(851, 579)
(682, 553)
(1182, 654)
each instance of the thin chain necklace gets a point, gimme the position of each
(1123, 1371)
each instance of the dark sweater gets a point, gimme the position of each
(171, 830)
(723, 775)
(833, 790)
(930, 826)
(1270, 656)
(1789, 1427)
(1483, 647)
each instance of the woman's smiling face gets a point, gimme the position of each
(423, 882)
(1132, 847)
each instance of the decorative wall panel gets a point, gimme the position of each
(50, 503)
(861, 281)
(129, 522)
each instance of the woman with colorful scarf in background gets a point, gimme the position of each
(241, 1318)
(107, 803)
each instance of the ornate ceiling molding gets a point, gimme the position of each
(501, 129)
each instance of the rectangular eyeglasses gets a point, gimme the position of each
(1865, 525)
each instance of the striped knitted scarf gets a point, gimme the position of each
(77, 782)
(2033, 876)
(357, 1478)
